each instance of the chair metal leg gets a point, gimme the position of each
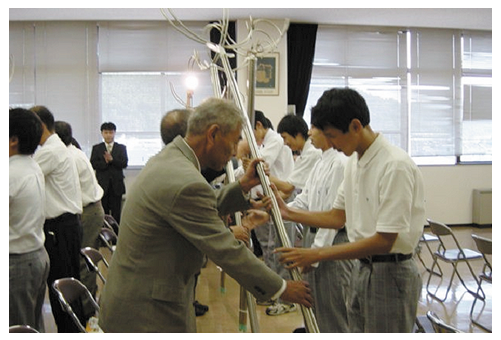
(439, 273)
(476, 294)
(475, 320)
(434, 295)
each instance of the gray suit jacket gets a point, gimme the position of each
(170, 219)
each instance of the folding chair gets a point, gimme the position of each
(425, 239)
(109, 238)
(70, 290)
(22, 329)
(453, 256)
(110, 222)
(439, 325)
(484, 245)
(92, 258)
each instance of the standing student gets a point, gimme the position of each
(381, 201)
(280, 161)
(294, 132)
(62, 228)
(28, 259)
(330, 280)
(172, 219)
(109, 158)
(93, 213)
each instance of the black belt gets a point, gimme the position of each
(61, 218)
(386, 258)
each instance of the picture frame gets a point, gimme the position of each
(267, 76)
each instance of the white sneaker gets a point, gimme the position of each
(280, 308)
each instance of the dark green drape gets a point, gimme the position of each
(301, 40)
(215, 36)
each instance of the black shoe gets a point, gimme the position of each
(200, 309)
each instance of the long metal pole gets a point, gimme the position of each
(251, 302)
(308, 315)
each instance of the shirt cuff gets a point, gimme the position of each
(280, 291)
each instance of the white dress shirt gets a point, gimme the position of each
(277, 155)
(303, 165)
(62, 187)
(383, 192)
(26, 205)
(321, 189)
(91, 190)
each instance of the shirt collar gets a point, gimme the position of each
(372, 150)
(194, 155)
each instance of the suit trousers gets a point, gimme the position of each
(112, 204)
(92, 222)
(63, 236)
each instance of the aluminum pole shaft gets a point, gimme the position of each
(308, 315)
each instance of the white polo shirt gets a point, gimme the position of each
(91, 190)
(26, 205)
(62, 187)
(383, 192)
(303, 165)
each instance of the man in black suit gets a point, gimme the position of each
(109, 159)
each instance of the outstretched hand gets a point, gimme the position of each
(297, 257)
(284, 210)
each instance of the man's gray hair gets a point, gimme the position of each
(215, 111)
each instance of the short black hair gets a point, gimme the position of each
(45, 116)
(108, 126)
(337, 107)
(64, 132)
(260, 117)
(27, 127)
(293, 125)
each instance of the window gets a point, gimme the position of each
(429, 90)
(137, 89)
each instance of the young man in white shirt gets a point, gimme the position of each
(28, 259)
(381, 201)
(62, 228)
(294, 132)
(93, 213)
(329, 280)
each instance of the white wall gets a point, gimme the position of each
(448, 190)
(273, 107)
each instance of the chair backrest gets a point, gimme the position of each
(484, 245)
(69, 290)
(439, 325)
(22, 329)
(441, 230)
(93, 257)
(110, 222)
(438, 228)
(109, 235)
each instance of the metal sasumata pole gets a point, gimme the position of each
(308, 315)
(247, 305)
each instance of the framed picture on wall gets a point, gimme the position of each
(267, 78)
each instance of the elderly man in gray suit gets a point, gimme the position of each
(171, 219)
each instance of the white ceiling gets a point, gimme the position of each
(466, 18)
